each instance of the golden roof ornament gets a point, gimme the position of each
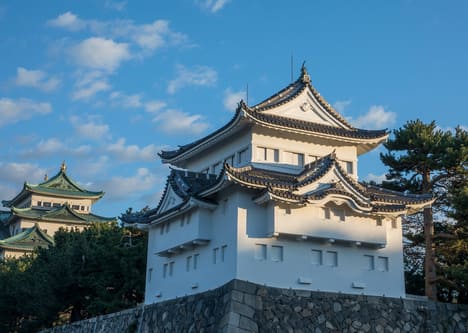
(63, 167)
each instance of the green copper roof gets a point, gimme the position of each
(63, 214)
(59, 185)
(27, 240)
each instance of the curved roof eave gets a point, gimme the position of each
(186, 150)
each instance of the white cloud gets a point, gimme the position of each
(68, 21)
(116, 5)
(100, 53)
(12, 111)
(341, 106)
(195, 76)
(375, 118)
(176, 122)
(36, 79)
(91, 168)
(376, 178)
(132, 153)
(154, 106)
(90, 129)
(125, 101)
(54, 146)
(20, 172)
(89, 84)
(212, 5)
(232, 98)
(146, 36)
(124, 187)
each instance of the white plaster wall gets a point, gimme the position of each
(50, 227)
(80, 202)
(297, 256)
(208, 274)
(309, 221)
(286, 143)
(196, 226)
(237, 142)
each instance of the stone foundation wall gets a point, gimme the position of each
(243, 307)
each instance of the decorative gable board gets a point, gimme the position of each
(305, 107)
(170, 200)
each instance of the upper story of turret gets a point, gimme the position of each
(286, 131)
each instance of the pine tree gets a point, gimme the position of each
(424, 159)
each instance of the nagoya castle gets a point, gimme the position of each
(39, 210)
(273, 197)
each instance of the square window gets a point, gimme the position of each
(369, 262)
(46, 204)
(150, 273)
(326, 213)
(379, 222)
(382, 264)
(215, 255)
(349, 167)
(316, 257)
(39, 203)
(171, 268)
(394, 224)
(331, 258)
(223, 253)
(276, 253)
(260, 251)
(75, 207)
(188, 263)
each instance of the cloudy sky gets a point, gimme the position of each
(105, 85)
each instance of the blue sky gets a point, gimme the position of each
(104, 85)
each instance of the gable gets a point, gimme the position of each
(170, 200)
(305, 107)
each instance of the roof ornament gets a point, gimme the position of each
(46, 178)
(63, 167)
(304, 75)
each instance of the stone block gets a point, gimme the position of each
(237, 296)
(248, 324)
(242, 309)
(245, 287)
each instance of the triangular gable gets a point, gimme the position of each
(62, 182)
(334, 175)
(28, 240)
(63, 213)
(305, 107)
(169, 200)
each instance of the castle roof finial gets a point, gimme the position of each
(304, 75)
(46, 178)
(63, 167)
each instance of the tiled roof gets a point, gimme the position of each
(27, 240)
(284, 185)
(294, 89)
(283, 96)
(63, 214)
(173, 153)
(59, 185)
(312, 127)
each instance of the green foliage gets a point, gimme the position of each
(424, 159)
(96, 271)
